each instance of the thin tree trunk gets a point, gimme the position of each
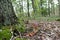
(33, 5)
(41, 7)
(59, 6)
(34, 8)
(48, 7)
(28, 8)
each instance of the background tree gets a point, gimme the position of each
(59, 6)
(28, 8)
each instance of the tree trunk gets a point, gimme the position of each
(41, 6)
(33, 5)
(59, 6)
(52, 9)
(48, 7)
(28, 8)
(7, 15)
(34, 8)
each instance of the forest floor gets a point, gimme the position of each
(47, 31)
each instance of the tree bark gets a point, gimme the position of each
(7, 14)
